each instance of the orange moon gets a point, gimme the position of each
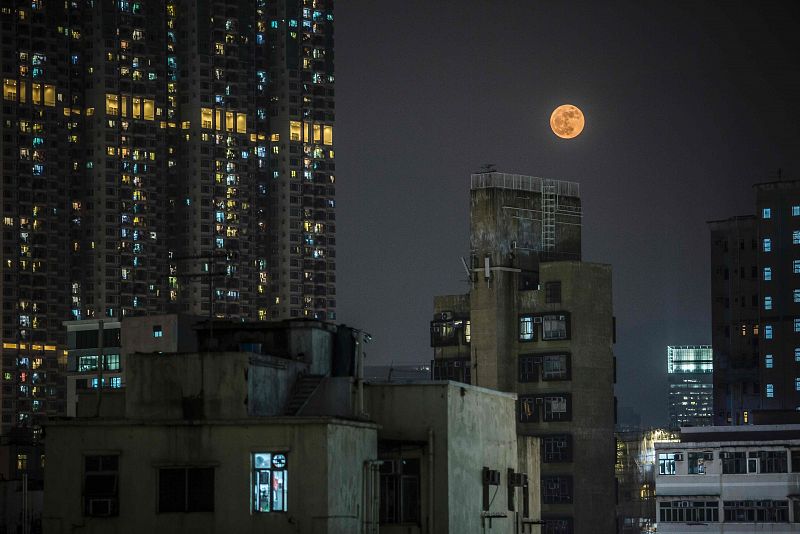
(567, 121)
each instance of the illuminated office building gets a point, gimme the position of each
(159, 156)
(689, 373)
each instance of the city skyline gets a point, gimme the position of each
(686, 107)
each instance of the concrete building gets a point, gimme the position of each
(756, 306)
(539, 322)
(719, 479)
(690, 379)
(159, 156)
(273, 429)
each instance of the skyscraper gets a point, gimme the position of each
(537, 321)
(159, 156)
(689, 373)
(755, 281)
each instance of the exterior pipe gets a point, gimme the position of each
(431, 502)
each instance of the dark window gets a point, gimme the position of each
(688, 511)
(796, 464)
(771, 461)
(697, 462)
(555, 327)
(400, 492)
(443, 333)
(186, 489)
(100, 485)
(765, 511)
(733, 463)
(533, 367)
(557, 525)
(556, 448)
(552, 292)
(86, 339)
(457, 370)
(556, 489)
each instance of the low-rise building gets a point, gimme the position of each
(271, 428)
(730, 479)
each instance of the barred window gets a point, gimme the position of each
(557, 448)
(688, 511)
(765, 511)
(557, 489)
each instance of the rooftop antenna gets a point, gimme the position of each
(466, 270)
(486, 168)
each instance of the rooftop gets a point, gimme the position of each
(519, 182)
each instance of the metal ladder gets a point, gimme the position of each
(548, 215)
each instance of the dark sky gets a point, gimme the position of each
(687, 105)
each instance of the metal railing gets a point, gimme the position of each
(522, 183)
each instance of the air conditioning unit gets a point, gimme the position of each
(446, 316)
(537, 320)
(678, 456)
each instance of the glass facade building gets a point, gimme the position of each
(690, 375)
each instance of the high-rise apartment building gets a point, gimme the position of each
(755, 280)
(159, 156)
(689, 374)
(537, 321)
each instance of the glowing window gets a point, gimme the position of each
(206, 118)
(149, 110)
(241, 123)
(767, 273)
(770, 391)
(768, 361)
(796, 266)
(229, 121)
(766, 213)
(768, 331)
(36, 93)
(137, 108)
(9, 89)
(317, 133)
(327, 135)
(269, 480)
(767, 303)
(112, 105)
(295, 131)
(767, 245)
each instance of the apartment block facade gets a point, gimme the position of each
(755, 284)
(539, 322)
(160, 156)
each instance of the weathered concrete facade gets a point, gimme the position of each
(543, 329)
(455, 430)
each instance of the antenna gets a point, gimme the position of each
(466, 269)
(487, 167)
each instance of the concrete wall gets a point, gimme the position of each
(470, 428)
(324, 461)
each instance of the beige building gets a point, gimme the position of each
(275, 431)
(537, 321)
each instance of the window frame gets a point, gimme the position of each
(255, 485)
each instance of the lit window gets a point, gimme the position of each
(795, 211)
(767, 244)
(327, 135)
(767, 273)
(269, 482)
(22, 462)
(797, 384)
(241, 123)
(796, 237)
(766, 213)
(770, 391)
(797, 354)
(158, 331)
(9, 89)
(526, 330)
(796, 295)
(768, 361)
(797, 324)
(796, 266)
(112, 104)
(767, 303)
(768, 331)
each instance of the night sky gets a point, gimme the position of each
(686, 107)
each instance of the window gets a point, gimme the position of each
(467, 331)
(186, 489)
(666, 463)
(797, 384)
(766, 245)
(688, 511)
(400, 491)
(795, 462)
(556, 489)
(158, 331)
(767, 273)
(765, 511)
(795, 211)
(269, 482)
(796, 237)
(526, 330)
(797, 324)
(766, 213)
(533, 367)
(551, 408)
(733, 462)
(797, 354)
(87, 363)
(552, 292)
(557, 525)
(556, 448)
(770, 461)
(796, 266)
(768, 331)
(768, 361)
(796, 295)
(767, 303)
(770, 391)
(443, 333)
(100, 485)
(555, 327)
(697, 462)
(22, 462)
(112, 362)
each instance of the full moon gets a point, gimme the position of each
(567, 121)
